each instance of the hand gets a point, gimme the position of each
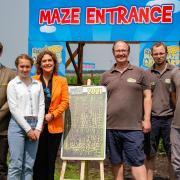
(31, 135)
(48, 117)
(146, 126)
(37, 133)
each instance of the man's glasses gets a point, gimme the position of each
(121, 51)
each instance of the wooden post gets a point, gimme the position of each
(84, 170)
(74, 64)
(63, 170)
(101, 163)
(82, 173)
(74, 54)
(80, 61)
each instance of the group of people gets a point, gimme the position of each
(35, 126)
(143, 106)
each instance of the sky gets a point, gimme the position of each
(13, 29)
(14, 19)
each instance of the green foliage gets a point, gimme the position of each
(161, 147)
(95, 78)
(71, 79)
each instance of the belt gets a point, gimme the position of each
(30, 117)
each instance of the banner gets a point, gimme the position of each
(35, 47)
(146, 60)
(104, 20)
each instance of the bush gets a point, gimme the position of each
(95, 78)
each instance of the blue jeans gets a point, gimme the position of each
(22, 152)
(160, 128)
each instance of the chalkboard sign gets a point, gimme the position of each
(85, 124)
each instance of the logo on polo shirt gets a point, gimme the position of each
(131, 80)
(168, 81)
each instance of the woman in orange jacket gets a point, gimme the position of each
(56, 102)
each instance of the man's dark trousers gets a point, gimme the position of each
(3, 157)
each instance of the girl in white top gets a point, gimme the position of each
(26, 104)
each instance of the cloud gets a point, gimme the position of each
(47, 29)
(160, 2)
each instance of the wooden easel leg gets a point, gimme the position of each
(82, 170)
(101, 163)
(63, 170)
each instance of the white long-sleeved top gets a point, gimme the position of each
(26, 100)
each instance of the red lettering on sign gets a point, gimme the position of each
(133, 15)
(100, 16)
(60, 16)
(114, 15)
(121, 15)
(65, 15)
(167, 14)
(144, 15)
(45, 16)
(156, 14)
(90, 15)
(111, 12)
(75, 15)
(55, 17)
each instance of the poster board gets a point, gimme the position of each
(84, 137)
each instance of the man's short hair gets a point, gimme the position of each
(157, 44)
(121, 41)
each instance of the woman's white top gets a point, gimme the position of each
(26, 100)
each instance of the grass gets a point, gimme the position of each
(70, 173)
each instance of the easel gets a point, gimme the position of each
(101, 146)
(83, 171)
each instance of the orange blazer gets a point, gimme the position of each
(59, 103)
